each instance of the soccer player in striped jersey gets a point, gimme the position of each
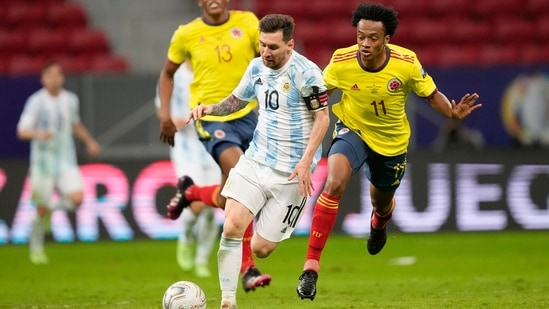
(375, 79)
(189, 157)
(273, 177)
(49, 120)
(219, 46)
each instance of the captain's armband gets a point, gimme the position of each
(316, 100)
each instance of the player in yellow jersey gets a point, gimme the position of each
(375, 79)
(219, 46)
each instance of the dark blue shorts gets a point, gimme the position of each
(218, 136)
(385, 173)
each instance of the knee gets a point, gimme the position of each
(233, 228)
(335, 185)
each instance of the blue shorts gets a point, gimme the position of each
(218, 136)
(385, 173)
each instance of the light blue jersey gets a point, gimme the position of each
(285, 122)
(56, 115)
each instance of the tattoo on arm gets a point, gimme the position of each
(229, 105)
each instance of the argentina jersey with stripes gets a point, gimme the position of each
(285, 122)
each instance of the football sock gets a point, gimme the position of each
(380, 222)
(37, 235)
(229, 257)
(207, 232)
(188, 218)
(206, 194)
(247, 255)
(324, 217)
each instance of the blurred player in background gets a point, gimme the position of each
(273, 177)
(375, 79)
(189, 157)
(219, 46)
(49, 120)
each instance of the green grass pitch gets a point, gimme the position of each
(451, 270)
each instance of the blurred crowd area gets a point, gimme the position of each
(92, 35)
(112, 51)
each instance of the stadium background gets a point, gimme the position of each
(113, 51)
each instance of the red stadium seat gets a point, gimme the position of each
(46, 43)
(25, 65)
(74, 65)
(535, 54)
(493, 55)
(12, 42)
(455, 56)
(24, 16)
(537, 7)
(508, 30)
(109, 64)
(66, 16)
(467, 31)
(88, 42)
(542, 28)
(428, 31)
(496, 9)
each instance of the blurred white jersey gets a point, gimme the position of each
(188, 155)
(57, 115)
(285, 123)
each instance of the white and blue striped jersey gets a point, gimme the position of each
(57, 115)
(285, 123)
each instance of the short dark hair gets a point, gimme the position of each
(376, 12)
(50, 63)
(278, 22)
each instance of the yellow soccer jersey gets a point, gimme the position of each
(219, 56)
(373, 102)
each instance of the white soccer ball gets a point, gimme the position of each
(184, 295)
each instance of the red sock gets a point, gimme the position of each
(380, 222)
(324, 217)
(247, 256)
(206, 194)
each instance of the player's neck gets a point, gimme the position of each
(215, 20)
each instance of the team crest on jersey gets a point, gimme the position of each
(219, 134)
(236, 32)
(394, 84)
(286, 87)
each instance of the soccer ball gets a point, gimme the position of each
(184, 295)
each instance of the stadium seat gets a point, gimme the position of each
(496, 9)
(109, 64)
(535, 54)
(12, 42)
(74, 64)
(66, 16)
(495, 54)
(88, 42)
(466, 31)
(46, 43)
(24, 65)
(516, 29)
(542, 28)
(537, 7)
(24, 16)
(455, 56)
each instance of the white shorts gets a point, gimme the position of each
(269, 195)
(66, 182)
(190, 158)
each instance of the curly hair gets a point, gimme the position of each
(376, 12)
